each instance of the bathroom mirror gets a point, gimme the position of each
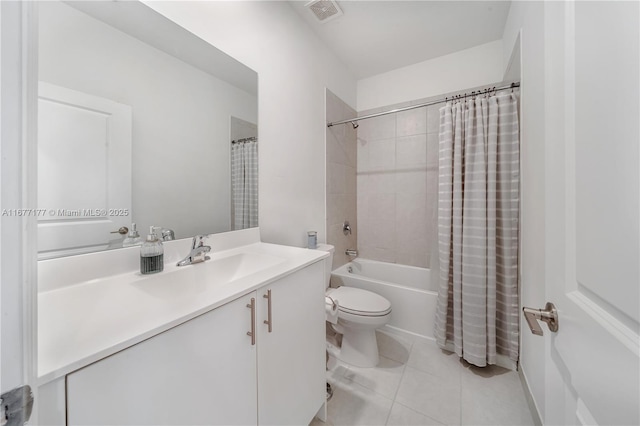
(136, 119)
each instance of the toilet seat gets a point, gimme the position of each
(359, 302)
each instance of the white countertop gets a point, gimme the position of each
(84, 322)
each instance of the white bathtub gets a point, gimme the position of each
(408, 288)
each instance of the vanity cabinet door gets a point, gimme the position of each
(200, 372)
(291, 358)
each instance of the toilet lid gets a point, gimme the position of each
(360, 302)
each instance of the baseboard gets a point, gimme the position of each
(535, 414)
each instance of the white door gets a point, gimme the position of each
(84, 171)
(592, 212)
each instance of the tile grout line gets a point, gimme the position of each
(395, 395)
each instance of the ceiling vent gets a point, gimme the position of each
(324, 10)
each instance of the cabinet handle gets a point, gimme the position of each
(252, 333)
(268, 320)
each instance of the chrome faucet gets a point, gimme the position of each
(168, 234)
(346, 228)
(198, 252)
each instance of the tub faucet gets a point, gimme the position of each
(351, 252)
(198, 252)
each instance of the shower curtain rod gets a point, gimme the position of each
(439, 101)
(251, 139)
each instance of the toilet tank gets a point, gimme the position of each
(328, 262)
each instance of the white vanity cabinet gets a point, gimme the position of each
(292, 357)
(206, 371)
(200, 372)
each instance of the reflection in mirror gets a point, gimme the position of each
(244, 174)
(135, 125)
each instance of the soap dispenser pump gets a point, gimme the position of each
(152, 253)
(133, 238)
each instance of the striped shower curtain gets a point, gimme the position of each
(244, 184)
(478, 202)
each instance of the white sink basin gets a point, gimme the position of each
(185, 281)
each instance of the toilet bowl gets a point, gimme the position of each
(360, 313)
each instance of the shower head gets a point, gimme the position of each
(355, 124)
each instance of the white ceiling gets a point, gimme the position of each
(373, 37)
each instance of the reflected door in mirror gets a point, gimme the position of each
(84, 170)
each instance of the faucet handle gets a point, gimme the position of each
(168, 234)
(198, 241)
(346, 228)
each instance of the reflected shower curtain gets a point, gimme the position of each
(244, 184)
(478, 201)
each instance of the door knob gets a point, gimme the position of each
(122, 231)
(549, 315)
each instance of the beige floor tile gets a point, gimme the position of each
(317, 422)
(416, 383)
(426, 356)
(433, 396)
(493, 396)
(405, 416)
(393, 346)
(383, 379)
(354, 404)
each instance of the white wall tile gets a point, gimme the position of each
(382, 182)
(411, 122)
(341, 180)
(433, 148)
(384, 236)
(419, 259)
(392, 188)
(350, 181)
(411, 150)
(337, 208)
(380, 254)
(363, 156)
(383, 127)
(412, 181)
(335, 153)
(382, 154)
(433, 118)
(336, 179)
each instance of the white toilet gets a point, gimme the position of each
(360, 313)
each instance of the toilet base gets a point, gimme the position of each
(359, 348)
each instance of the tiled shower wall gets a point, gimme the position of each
(341, 153)
(397, 176)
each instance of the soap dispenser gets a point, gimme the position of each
(152, 253)
(133, 238)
